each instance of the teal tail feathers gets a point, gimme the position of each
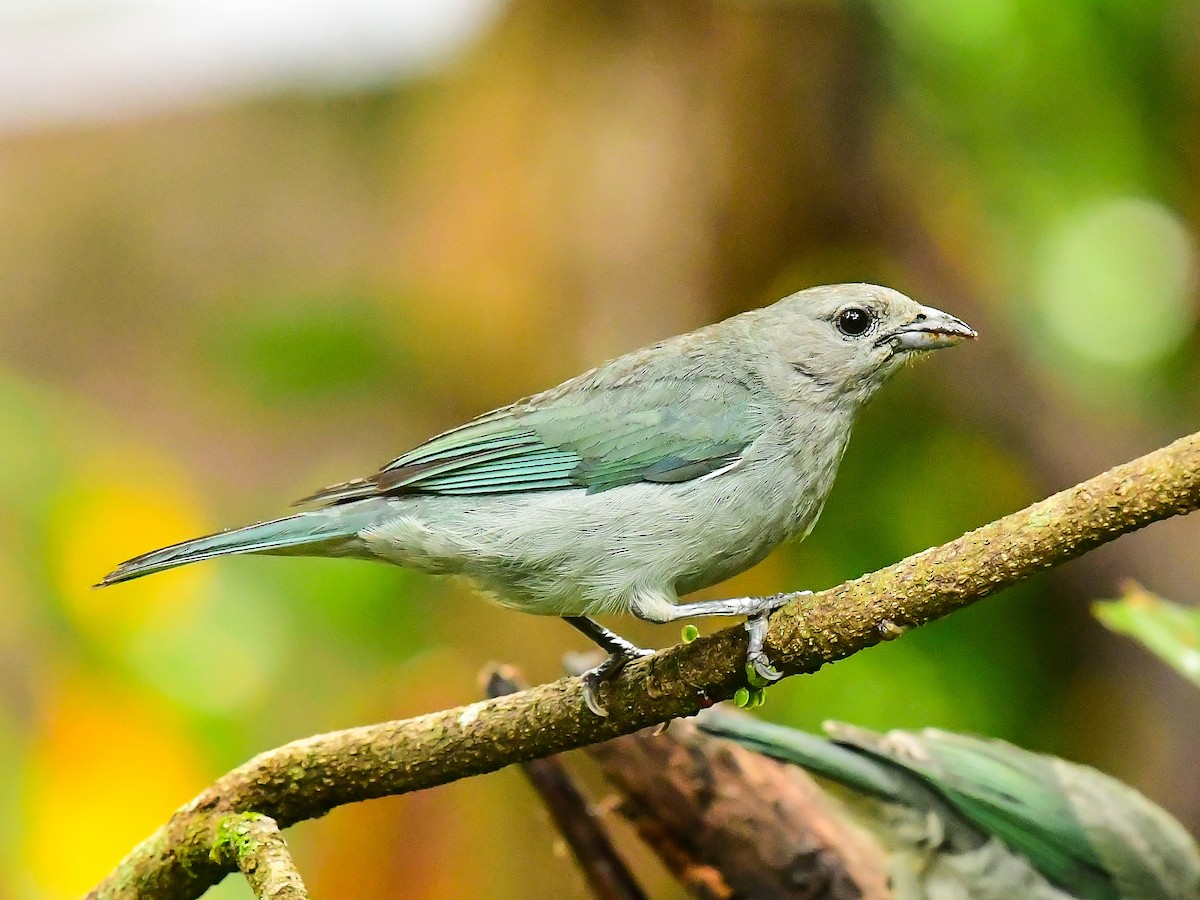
(317, 531)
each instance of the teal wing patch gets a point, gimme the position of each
(667, 432)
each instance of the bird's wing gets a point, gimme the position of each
(666, 431)
(1147, 851)
(1004, 791)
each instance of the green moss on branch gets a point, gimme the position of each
(253, 843)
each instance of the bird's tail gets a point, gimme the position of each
(315, 533)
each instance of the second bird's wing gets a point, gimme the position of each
(1004, 791)
(665, 431)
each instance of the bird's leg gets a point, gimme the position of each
(757, 610)
(620, 653)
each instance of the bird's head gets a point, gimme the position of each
(848, 339)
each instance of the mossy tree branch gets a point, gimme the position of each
(309, 777)
(253, 843)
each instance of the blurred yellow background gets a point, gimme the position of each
(247, 252)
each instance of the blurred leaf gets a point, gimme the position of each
(218, 656)
(371, 613)
(1170, 631)
(302, 350)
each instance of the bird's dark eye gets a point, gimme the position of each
(853, 321)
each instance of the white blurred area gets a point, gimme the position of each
(66, 62)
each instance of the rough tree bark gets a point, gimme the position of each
(253, 843)
(731, 823)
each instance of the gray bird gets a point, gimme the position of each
(658, 473)
(969, 818)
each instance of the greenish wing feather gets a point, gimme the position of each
(1148, 852)
(1015, 795)
(846, 765)
(665, 432)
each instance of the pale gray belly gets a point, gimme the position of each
(569, 552)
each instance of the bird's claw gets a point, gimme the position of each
(594, 679)
(591, 691)
(759, 671)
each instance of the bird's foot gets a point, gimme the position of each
(594, 679)
(759, 671)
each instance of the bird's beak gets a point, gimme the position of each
(931, 329)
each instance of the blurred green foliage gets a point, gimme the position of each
(304, 351)
(207, 314)
(1168, 630)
